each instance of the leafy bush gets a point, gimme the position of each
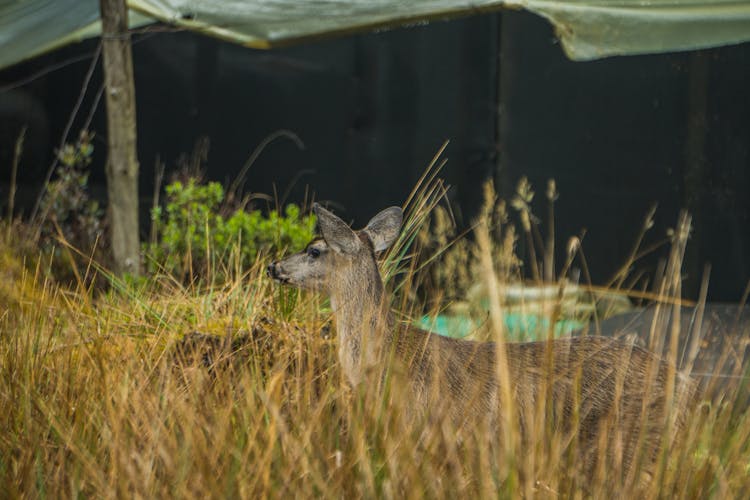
(193, 230)
(67, 210)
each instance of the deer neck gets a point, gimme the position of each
(363, 321)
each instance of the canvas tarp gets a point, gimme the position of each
(32, 27)
(588, 29)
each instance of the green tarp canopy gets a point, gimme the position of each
(588, 29)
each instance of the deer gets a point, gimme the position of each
(602, 380)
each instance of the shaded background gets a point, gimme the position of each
(617, 134)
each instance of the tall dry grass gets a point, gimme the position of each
(110, 395)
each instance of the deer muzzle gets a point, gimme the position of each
(275, 272)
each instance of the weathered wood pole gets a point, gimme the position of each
(122, 160)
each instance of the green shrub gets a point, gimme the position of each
(67, 211)
(194, 231)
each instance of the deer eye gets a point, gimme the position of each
(313, 252)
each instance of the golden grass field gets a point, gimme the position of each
(112, 394)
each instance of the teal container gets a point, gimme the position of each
(519, 327)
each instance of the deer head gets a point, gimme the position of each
(339, 252)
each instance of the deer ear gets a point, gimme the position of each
(335, 232)
(383, 229)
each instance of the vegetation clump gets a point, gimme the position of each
(192, 229)
(70, 217)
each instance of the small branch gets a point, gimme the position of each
(66, 131)
(18, 150)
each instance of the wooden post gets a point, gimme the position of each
(122, 161)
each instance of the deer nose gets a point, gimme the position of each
(271, 270)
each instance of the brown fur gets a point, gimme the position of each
(607, 382)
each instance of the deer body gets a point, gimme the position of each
(606, 378)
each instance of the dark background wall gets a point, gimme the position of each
(622, 133)
(617, 134)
